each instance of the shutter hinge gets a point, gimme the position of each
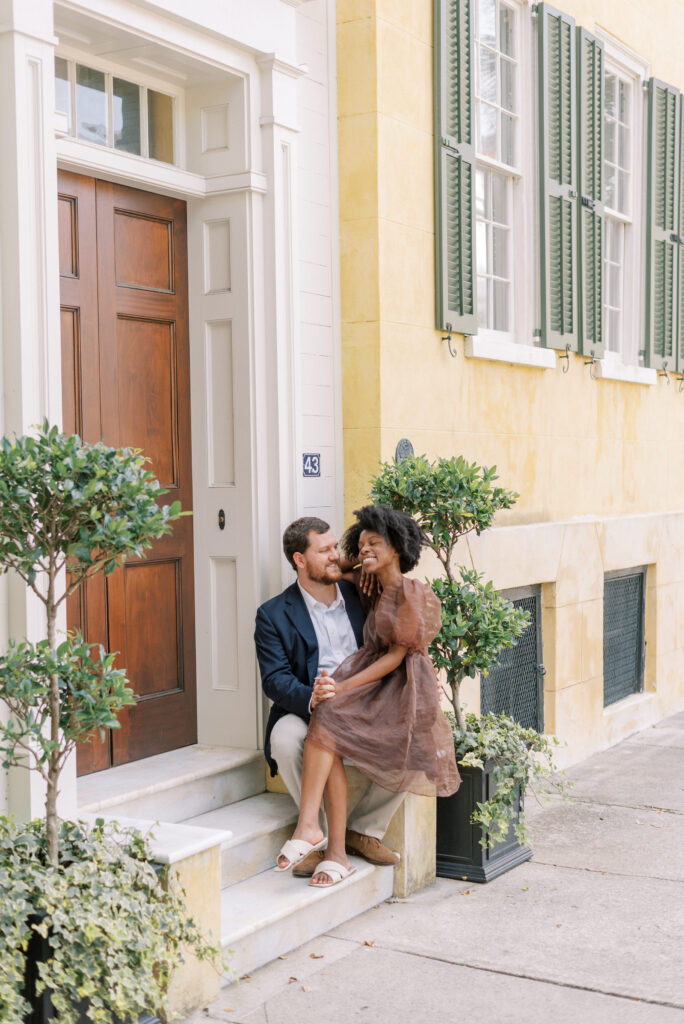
(674, 237)
(589, 202)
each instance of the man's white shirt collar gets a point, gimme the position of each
(313, 603)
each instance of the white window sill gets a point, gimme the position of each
(612, 369)
(504, 351)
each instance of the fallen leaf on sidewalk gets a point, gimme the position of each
(367, 943)
(282, 958)
(305, 988)
(316, 956)
(292, 978)
(466, 892)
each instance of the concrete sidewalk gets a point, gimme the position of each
(590, 930)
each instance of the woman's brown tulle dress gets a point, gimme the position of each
(394, 729)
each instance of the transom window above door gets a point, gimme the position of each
(105, 109)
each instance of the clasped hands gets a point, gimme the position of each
(323, 688)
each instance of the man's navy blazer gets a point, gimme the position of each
(287, 650)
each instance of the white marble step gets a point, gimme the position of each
(259, 826)
(271, 913)
(175, 786)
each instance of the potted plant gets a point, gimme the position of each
(480, 829)
(89, 930)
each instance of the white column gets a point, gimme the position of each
(30, 363)
(279, 130)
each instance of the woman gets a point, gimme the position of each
(385, 716)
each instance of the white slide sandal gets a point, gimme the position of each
(296, 850)
(333, 870)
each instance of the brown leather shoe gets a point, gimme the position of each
(370, 848)
(307, 867)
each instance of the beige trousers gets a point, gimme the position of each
(374, 811)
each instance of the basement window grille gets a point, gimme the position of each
(515, 685)
(623, 634)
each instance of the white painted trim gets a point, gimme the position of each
(127, 168)
(615, 369)
(271, 62)
(619, 53)
(505, 351)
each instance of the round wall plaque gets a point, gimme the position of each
(404, 450)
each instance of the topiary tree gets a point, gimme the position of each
(450, 498)
(68, 510)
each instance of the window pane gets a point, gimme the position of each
(91, 105)
(487, 21)
(623, 101)
(126, 116)
(609, 141)
(160, 126)
(614, 238)
(623, 192)
(481, 246)
(613, 326)
(499, 199)
(480, 194)
(500, 305)
(623, 146)
(611, 187)
(614, 281)
(488, 75)
(482, 301)
(611, 104)
(500, 252)
(487, 130)
(62, 90)
(507, 139)
(506, 38)
(507, 85)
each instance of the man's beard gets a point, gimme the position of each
(325, 576)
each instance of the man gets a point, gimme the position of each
(314, 625)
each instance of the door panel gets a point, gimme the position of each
(126, 379)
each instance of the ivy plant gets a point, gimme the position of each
(116, 928)
(68, 510)
(450, 498)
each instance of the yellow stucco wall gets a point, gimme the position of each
(597, 463)
(570, 445)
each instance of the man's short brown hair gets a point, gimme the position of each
(296, 536)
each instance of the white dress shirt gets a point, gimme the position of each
(334, 633)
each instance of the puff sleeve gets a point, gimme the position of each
(408, 614)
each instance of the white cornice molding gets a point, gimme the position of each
(271, 62)
(73, 155)
(36, 35)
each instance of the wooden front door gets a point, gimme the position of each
(125, 379)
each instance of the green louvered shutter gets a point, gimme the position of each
(557, 177)
(680, 254)
(590, 85)
(662, 224)
(455, 167)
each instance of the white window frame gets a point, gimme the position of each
(623, 364)
(144, 81)
(506, 345)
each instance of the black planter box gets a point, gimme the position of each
(41, 1006)
(459, 854)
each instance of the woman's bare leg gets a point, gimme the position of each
(316, 766)
(335, 797)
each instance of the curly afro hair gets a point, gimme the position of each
(398, 529)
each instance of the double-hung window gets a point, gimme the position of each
(485, 169)
(496, 135)
(623, 188)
